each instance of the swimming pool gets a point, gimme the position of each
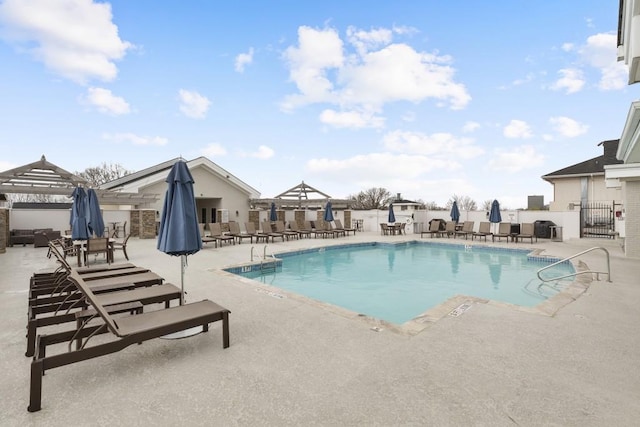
(398, 282)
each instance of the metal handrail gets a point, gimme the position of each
(597, 273)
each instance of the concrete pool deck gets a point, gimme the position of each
(294, 362)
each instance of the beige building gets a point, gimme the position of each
(220, 196)
(584, 183)
(626, 176)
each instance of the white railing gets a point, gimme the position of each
(597, 273)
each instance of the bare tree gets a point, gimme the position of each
(432, 206)
(32, 198)
(373, 198)
(104, 173)
(464, 202)
(486, 205)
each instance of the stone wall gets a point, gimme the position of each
(300, 217)
(135, 223)
(147, 220)
(254, 217)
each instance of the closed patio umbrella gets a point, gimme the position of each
(494, 214)
(79, 212)
(328, 212)
(392, 216)
(273, 215)
(455, 212)
(179, 234)
(96, 222)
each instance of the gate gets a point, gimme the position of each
(598, 220)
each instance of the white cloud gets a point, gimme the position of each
(470, 127)
(516, 159)
(568, 127)
(213, 150)
(136, 139)
(263, 153)
(517, 129)
(74, 38)
(600, 52)
(366, 79)
(567, 47)
(351, 119)
(438, 145)
(193, 104)
(107, 102)
(243, 60)
(572, 80)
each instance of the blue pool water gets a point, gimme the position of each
(399, 282)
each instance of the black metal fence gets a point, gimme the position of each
(598, 220)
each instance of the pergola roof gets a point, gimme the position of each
(43, 177)
(299, 197)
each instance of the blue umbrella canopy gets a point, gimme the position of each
(328, 212)
(494, 215)
(96, 222)
(392, 216)
(455, 212)
(273, 215)
(179, 233)
(79, 212)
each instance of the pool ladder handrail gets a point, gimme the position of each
(272, 265)
(597, 273)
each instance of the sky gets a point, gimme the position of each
(425, 98)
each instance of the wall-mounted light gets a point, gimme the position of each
(237, 213)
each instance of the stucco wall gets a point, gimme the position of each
(568, 190)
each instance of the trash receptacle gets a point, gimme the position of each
(542, 229)
(417, 227)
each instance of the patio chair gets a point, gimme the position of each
(434, 228)
(504, 230)
(234, 230)
(293, 225)
(467, 229)
(125, 331)
(384, 229)
(483, 231)
(216, 232)
(121, 246)
(339, 226)
(527, 231)
(251, 230)
(97, 246)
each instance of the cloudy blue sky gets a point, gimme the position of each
(424, 98)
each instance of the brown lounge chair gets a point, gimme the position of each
(504, 230)
(293, 225)
(126, 331)
(527, 231)
(483, 231)
(251, 230)
(434, 228)
(467, 229)
(234, 231)
(280, 228)
(347, 230)
(265, 226)
(216, 233)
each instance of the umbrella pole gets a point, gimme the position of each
(191, 331)
(183, 263)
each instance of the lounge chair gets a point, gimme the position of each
(449, 229)
(483, 231)
(467, 229)
(265, 227)
(216, 233)
(293, 225)
(339, 226)
(251, 230)
(125, 332)
(280, 228)
(504, 230)
(315, 231)
(527, 231)
(434, 228)
(234, 230)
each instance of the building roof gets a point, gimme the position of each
(40, 177)
(159, 172)
(301, 196)
(594, 166)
